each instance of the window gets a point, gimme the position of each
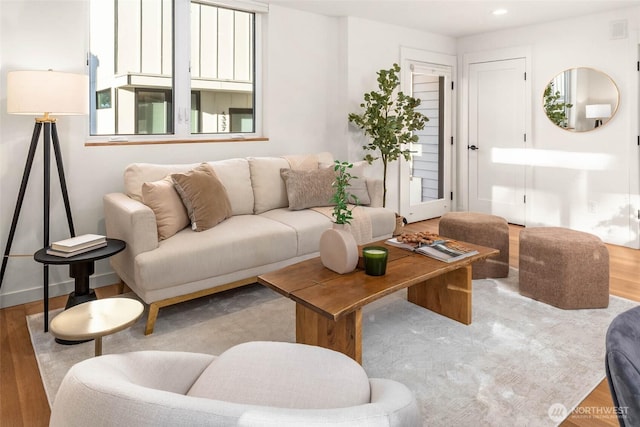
(141, 86)
(103, 99)
(153, 111)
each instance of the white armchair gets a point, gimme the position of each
(251, 384)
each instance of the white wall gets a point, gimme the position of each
(601, 198)
(301, 85)
(372, 46)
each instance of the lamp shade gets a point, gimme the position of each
(598, 111)
(40, 92)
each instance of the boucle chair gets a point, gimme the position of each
(565, 268)
(481, 229)
(251, 384)
(623, 366)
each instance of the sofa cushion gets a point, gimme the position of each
(137, 174)
(308, 225)
(269, 191)
(358, 183)
(236, 178)
(239, 243)
(308, 188)
(204, 196)
(302, 161)
(284, 375)
(163, 199)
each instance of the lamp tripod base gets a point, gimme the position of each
(50, 139)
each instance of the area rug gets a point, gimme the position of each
(515, 361)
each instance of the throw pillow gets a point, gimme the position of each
(204, 196)
(164, 201)
(308, 188)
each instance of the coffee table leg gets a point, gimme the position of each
(448, 294)
(98, 342)
(343, 335)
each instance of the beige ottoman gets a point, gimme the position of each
(565, 268)
(481, 229)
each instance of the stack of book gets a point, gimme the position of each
(77, 245)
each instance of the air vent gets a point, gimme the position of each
(618, 29)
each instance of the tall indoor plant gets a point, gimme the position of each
(389, 119)
(338, 247)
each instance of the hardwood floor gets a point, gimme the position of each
(23, 401)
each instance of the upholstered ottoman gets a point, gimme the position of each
(565, 268)
(482, 229)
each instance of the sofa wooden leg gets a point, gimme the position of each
(151, 319)
(120, 288)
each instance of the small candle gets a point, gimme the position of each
(375, 260)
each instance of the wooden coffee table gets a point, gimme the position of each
(329, 305)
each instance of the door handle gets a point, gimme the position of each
(472, 147)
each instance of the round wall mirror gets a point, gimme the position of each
(581, 99)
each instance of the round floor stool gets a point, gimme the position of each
(565, 268)
(481, 229)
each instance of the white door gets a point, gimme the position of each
(497, 138)
(425, 183)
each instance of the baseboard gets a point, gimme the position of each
(24, 296)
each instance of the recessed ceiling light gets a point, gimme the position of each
(499, 12)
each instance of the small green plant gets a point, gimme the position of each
(389, 121)
(556, 111)
(341, 197)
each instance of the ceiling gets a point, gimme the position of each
(457, 18)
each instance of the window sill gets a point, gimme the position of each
(172, 141)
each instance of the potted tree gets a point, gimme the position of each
(338, 247)
(389, 120)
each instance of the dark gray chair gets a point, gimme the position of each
(623, 366)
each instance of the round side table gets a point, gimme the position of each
(81, 267)
(95, 319)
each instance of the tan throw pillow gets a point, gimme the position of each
(204, 196)
(164, 201)
(308, 188)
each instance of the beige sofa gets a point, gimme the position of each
(262, 234)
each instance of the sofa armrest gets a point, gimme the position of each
(129, 220)
(135, 223)
(376, 191)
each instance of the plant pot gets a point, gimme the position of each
(338, 249)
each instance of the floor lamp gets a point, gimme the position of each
(44, 93)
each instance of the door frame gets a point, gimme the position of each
(462, 198)
(437, 59)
